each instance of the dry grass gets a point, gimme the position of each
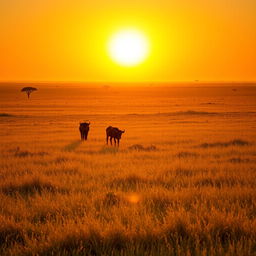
(180, 184)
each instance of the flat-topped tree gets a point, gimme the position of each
(28, 90)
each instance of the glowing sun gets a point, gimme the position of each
(128, 47)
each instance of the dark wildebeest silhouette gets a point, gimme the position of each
(115, 133)
(84, 129)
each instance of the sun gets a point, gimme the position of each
(128, 47)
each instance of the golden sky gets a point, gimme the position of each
(66, 40)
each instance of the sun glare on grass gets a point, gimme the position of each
(128, 47)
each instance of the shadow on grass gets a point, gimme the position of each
(175, 238)
(10, 235)
(72, 146)
(87, 243)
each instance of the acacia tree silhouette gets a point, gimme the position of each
(28, 90)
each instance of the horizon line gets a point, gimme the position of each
(128, 82)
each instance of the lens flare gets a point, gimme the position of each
(133, 198)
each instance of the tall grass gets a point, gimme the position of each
(172, 188)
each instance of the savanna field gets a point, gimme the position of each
(182, 182)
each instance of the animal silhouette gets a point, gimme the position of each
(114, 132)
(84, 129)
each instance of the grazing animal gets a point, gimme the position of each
(84, 129)
(115, 133)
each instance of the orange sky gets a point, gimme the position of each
(65, 40)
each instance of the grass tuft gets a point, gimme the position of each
(131, 181)
(184, 172)
(111, 199)
(239, 160)
(5, 115)
(236, 142)
(60, 160)
(17, 152)
(192, 112)
(29, 188)
(108, 150)
(139, 147)
(184, 154)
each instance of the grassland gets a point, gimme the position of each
(183, 181)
